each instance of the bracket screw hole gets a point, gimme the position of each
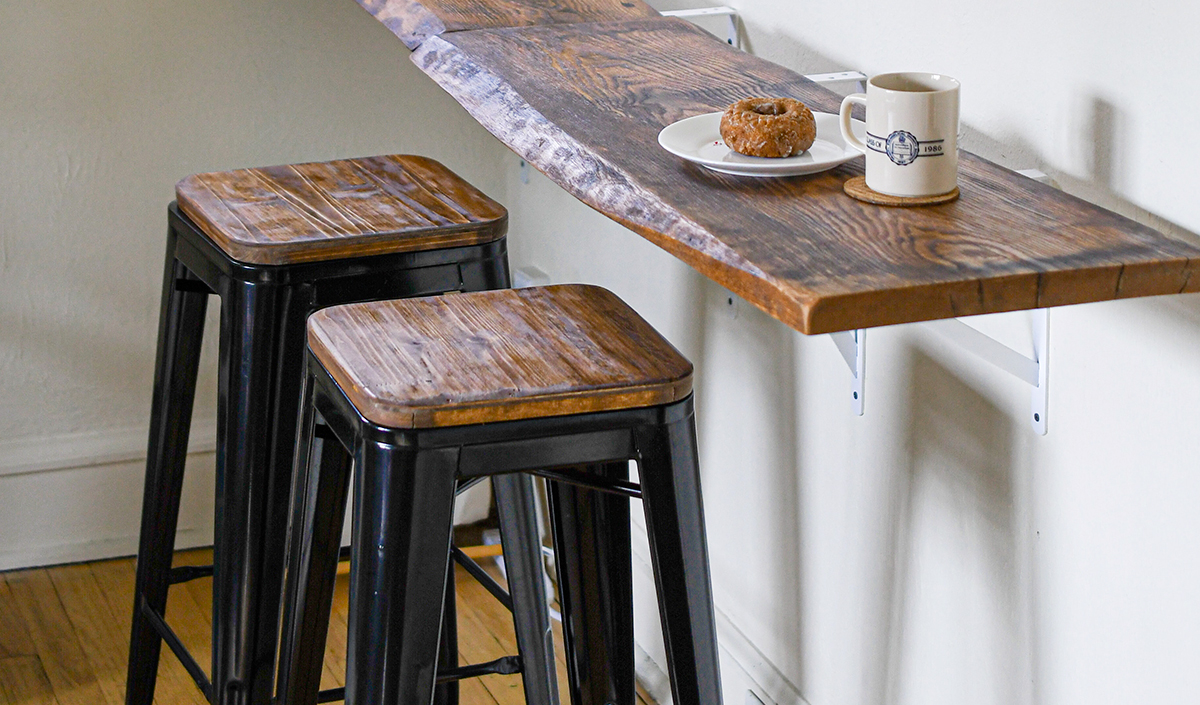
(1037, 417)
(856, 395)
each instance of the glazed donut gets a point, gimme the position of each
(768, 127)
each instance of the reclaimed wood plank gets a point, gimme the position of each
(414, 21)
(584, 104)
(491, 356)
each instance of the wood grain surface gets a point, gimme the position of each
(496, 356)
(346, 208)
(414, 21)
(95, 601)
(584, 104)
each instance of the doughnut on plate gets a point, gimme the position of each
(698, 139)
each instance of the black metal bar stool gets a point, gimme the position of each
(413, 398)
(277, 244)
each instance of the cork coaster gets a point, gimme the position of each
(857, 188)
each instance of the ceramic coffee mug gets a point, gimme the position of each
(912, 133)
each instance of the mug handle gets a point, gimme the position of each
(848, 135)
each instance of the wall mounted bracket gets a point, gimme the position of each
(1034, 371)
(731, 36)
(852, 344)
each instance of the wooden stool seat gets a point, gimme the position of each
(496, 356)
(345, 208)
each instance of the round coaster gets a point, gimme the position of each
(857, 188)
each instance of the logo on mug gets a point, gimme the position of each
(902, 148)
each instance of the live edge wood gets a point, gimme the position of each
(414, 21)
(584, 104)
(346, 208)
(496, 356)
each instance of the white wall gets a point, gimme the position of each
(933, 551)
(103, 107)
(936, 551)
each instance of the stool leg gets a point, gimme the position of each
(670, 479)
(592, 553)
(180, 330)
(319, 505)
(517, 507)
(403, 509)
(289, 375)
(447, 693)
(245, 397)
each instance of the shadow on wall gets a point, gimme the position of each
(955, 620)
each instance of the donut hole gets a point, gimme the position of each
(769, 109)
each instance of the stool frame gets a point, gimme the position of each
(264, 309)
(405, 481)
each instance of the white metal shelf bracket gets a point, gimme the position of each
(852, 344)
(858, 78)
(731, 36)
(1034, 371)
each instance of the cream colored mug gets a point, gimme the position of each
(912, 133)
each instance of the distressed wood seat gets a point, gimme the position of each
(345, 208)
(496, 356)
(411, 399)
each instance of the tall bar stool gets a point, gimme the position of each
(414, 398)
(277, 244)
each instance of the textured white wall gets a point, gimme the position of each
(103, 107)
(936, 551)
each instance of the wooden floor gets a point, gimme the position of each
(64, 636)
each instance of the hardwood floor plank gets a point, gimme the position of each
(96, 627)
(14, 637)
(80, 617)
(23, 682)
(477, 644)
(57, 644)
(115, 578)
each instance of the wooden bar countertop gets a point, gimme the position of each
(584, 102)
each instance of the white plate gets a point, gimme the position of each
(698, 139)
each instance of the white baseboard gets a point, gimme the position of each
(77, 497)
(25, 456)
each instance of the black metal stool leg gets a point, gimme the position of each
(670, 479)
(245, 398)
(592, 553)
(180, 330)
(517, 507)
(404, 501)
(447, 693)
(289, 374)
(316, 532)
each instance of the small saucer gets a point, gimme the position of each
(698, 140)
(857, 188)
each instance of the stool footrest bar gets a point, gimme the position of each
(584, 479)
(503, 666)
(194, 285)
(185, 573)
(172, 640)
(482, 576)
